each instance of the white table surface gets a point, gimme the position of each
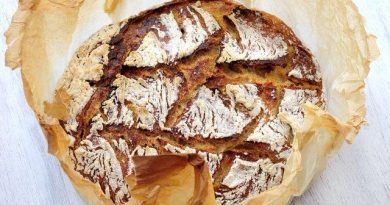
(359, 174)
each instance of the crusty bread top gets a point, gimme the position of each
(206, 77)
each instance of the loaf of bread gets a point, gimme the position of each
(203, 77)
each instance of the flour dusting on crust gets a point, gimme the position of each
(154, 50)
(213, 116)
(96, 159)
(211, 24)
(275, 132)
(152, 97)
(114, 116)
(254, 43)
(247, 178)
(293, 100)
(272, 132)
(305, 66)
(86, 65)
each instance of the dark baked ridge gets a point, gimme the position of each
(107, 136)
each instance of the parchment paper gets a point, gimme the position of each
(44, 34)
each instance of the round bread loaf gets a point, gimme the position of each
(205, 77)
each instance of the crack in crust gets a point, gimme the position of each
(185, 78)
